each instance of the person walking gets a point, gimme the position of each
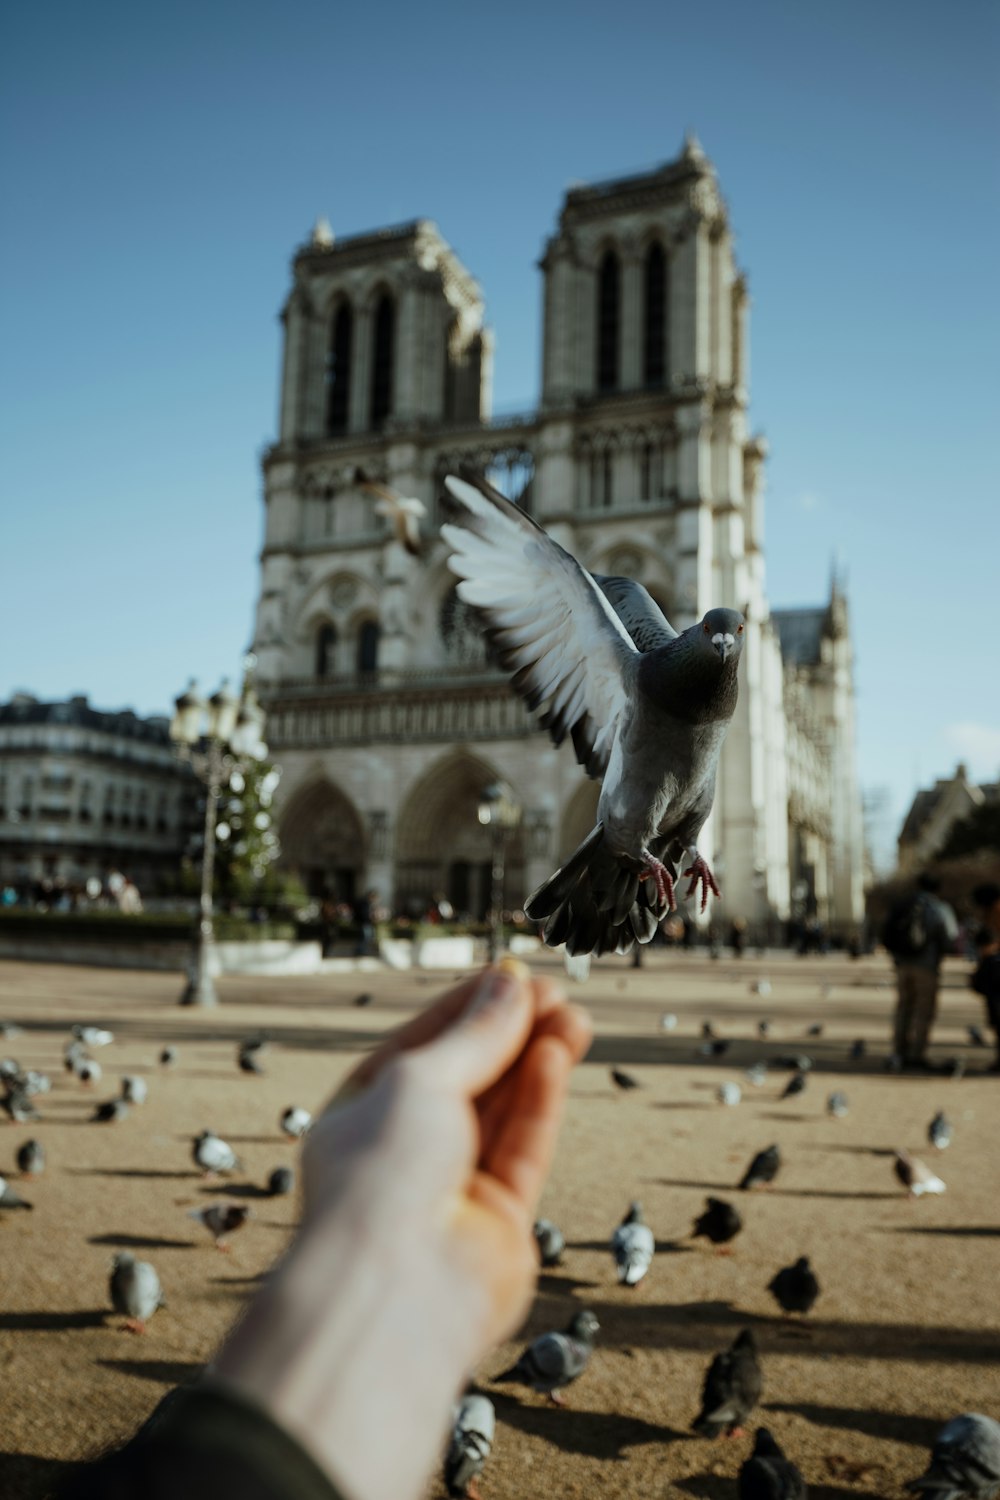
(919, 931)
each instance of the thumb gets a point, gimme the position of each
(488, 1036)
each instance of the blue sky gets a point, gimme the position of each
(160, 165)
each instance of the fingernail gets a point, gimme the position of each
(496, 987)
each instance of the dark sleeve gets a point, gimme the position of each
(986, 979)
(204, 1442)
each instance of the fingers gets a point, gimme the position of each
(524, 1142)
(487, 1038)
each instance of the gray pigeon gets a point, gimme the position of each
(795, 1085)
(965, 1461)
(939, 1131)
(93, 1036)
(796, 1287)
(31, 1158)
(135, 1291)
(221, 1220)
(295, 1122)
(280, 1182)
(633, 1247)
(555, 1359)
(858, 1049)
(212, 1154)
(836, 1105)
(647, 710)
(110, 1112)
(471, 1441)
(168, 1057)
(732, 1389)
(757, 1074)
(17, 1104)
(763, 1168)
(10, 1199)
(134, 1089)
(36, 1083)
(768, 1474)
(550, 1241)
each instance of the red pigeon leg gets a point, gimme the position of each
(701, 875)
(661, 877)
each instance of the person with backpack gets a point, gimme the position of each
(919, 931)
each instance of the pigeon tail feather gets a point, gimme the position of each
(595, 902)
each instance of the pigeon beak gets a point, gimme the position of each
(724, 644)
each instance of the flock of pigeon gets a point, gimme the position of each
(966, 1457)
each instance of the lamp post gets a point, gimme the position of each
(501, 814)
(214, 736)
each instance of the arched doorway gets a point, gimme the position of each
(444, 850)
(323, 841)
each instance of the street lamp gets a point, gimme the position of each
(499, 812)
(214, 736)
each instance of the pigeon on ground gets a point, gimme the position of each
(668, 1022)
(768, 1474)
(795, 1062)
(732, 1389)
(729, 1093)
(795, 1288)
(976, 1037)
(10, 1199)
(10, 1071)
(816, 1029)
(965, 1461)
(858, 1049)
(404, 513)
(469, 1448)
(763, 1168)
(795, 1085)
(93, 1036)
(720, 1222)
(280, 1182)
(88, 1071)
(624, 1080)
(555, 1359)
(836, 1105)
(763, 1029)
(135, 1291)
(550, 1241)
(916, 1175)
(248, 1055)
(761, 986)
(212, 1154)
(31, 1159)
(955, 1068)
(221, 1220)
(17, 1104)
(74, 1053)
(647, 710)
(35, 1083)
(9, 1030)
(295, 1122)
(939, 1131)
(168, 1057)
(718, 1048)
(134, 1089)
(364, 999)
(893, 1064)
(757, 1074)
(633, 1247)
(110, 1112)
(708, 1031)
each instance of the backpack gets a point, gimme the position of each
(906, 933)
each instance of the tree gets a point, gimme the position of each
(246, 842)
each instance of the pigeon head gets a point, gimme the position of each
(722, 631)
(123, 1260)
(802, 1264)
(634, 1215)
(746, 1340)
(584, 1326)
(765, 1445)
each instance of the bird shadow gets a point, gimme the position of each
(786, 1117)
(239, 1190)
(31, 1474)
(848, 1150)
(680, 1104)
(255, 1140)
(919, 1431)
(691, 1182)
(547, 1282)
(596, 1434)
(139, 1242)
(129, 1172)
(962, 1231)
(51, 1322)
(166, 1371)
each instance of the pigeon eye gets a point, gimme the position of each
(739, 630)
(706, 630)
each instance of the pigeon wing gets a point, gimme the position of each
(554, 629)
(551, 1358)
(638, 611)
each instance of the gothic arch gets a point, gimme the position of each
(323, 839)
(442, 848)
(338, 365)
(383, 353)
(579, 817)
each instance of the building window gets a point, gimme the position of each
(368, 648)
(655, 328)
(326, 643)
(338, 370)
(383, 342)
(608, 303)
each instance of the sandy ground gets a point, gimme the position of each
(904, 1335)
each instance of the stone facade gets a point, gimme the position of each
(83, 792)
(933, 814)
(384, 711)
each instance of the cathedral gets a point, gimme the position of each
(384, 709)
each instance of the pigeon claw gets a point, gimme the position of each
(661, 877)
(557, 1398)
(701, 875)
(133, 1325)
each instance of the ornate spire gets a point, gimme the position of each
(322, 235)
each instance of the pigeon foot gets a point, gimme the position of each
(472, 1489)
(724, 1250)
(133, 1325)
(557, 1398)
(661, 877)
(735, 1432)
(701, 875)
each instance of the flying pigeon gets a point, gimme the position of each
(976, 1037)
(795, 1085)
(280, 1182)
(555, 1359)
(858, 1049)
(763, 1168)
(10, 1199)
(624, 1080)
(647, 710)
(469, 1448)
(768, 1474)
(168, 1057)
(939, 1131)
(404, 513)
(836, 1105)
(633, 1246)
(110, 1112)
(134, 1089)
(221, 1220)
(916, 1175)
(729, 1093)
(31, 1159)
(668, 1022)
(295, 1122)
(732, 1389)
(135, 1291)
(757, 1074)
(795, 1288)
(212, 1154)
(720, 1222)
(965, 1461)
(93, 1036)
(550, 1241)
